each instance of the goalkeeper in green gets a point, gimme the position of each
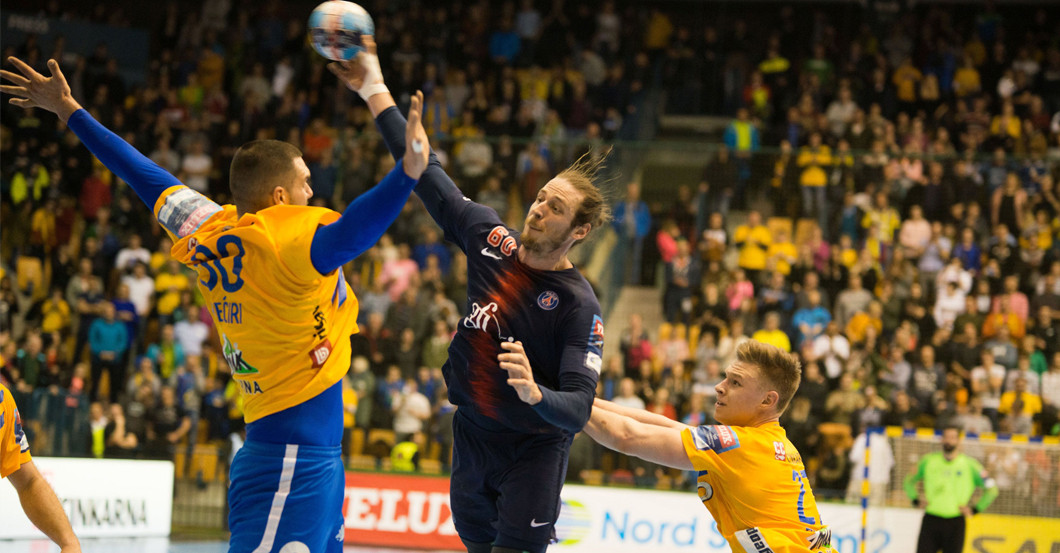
(950, 479)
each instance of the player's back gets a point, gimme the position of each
(284, 327)
(753, 482)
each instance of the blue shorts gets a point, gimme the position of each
(286, 498)
(505, 487)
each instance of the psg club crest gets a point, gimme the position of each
(548, 300)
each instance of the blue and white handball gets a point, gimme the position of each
(336, 28)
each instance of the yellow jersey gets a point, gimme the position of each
(754, 484)
(284, 328)
(14, 447)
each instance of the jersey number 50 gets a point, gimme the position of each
(205, 258)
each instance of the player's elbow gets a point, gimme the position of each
(581, 418)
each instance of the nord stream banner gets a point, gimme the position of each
(413, 511)
(102, 498)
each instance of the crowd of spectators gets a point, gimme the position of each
(911, 258)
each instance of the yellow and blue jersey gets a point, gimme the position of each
(284, 327)
(753, 482)
(14, 447)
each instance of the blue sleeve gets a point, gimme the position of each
(440, 195)
(143, 175)
(95, 338)
(570, 407)
(579, 369)
(363, 223)
(729, 137)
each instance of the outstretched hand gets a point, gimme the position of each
(33, 90)
(362, 71)
(417, 149)
(520, 375)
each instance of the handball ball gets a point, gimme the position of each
(336, 28)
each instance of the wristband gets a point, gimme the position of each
(367, 91)
(916, 501)
(975, 510)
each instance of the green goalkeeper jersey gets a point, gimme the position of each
(949, 485)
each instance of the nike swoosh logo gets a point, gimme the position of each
(486, 252)
(535, 524)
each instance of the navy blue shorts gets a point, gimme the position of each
(505, 486)
(286, 498)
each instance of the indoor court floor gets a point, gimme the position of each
(159, 545)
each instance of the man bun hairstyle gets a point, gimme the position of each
(258, 167)
(781, 369)
(594, 209)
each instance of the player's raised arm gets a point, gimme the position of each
(364, 76)
(367, 218)
(31, 89)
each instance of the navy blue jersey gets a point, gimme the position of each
(553, 313)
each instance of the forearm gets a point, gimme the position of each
(45, 511)
(363, 223)
(378, 103)
(610, 429)
(910, 487)
(145, 177)
(990, 493)
(568, 409)
(435, 188)
(639, 415)
(651, 443)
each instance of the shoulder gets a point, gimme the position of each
(290, 219)
(718, 438)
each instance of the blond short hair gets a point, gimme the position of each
(781, 369)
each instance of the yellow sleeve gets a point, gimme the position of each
(741, 233)
(14, 447)
(1007, 399)
(763, 237)
(825, 155)
(181, 211)
(705, 444)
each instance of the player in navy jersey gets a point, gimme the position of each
(524, 363)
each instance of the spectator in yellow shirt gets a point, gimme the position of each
(1007, 124)
(966, 80)
(169, 285)
(771, 333)
(55, 313)
(1032, 403)
(813, 159)
(906, 79)
(887, 223)
(753, 240)
(349, 413)
(782, 253)
(857, 328)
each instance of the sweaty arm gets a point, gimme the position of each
(364, 221)
(632, 437)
